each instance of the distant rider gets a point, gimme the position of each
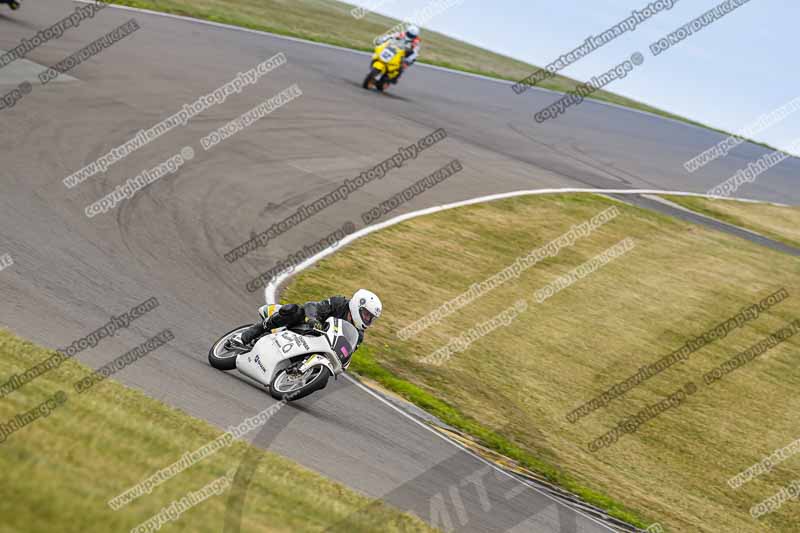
(413, 45)
(361, 310)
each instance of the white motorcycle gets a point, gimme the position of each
(293, 362)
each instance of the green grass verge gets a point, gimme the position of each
(329, 21)
(60, 471)
(776, 222)
(513, 388)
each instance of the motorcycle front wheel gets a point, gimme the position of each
(290, 387)
(370, 79)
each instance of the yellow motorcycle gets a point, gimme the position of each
(386, 64)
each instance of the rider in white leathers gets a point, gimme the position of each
(361, 310)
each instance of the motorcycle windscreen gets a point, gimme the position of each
(346, 342)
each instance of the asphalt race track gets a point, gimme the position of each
(71, 273)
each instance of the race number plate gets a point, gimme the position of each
(388, 54)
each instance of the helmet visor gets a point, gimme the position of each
(366, 316)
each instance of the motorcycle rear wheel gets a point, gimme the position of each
(219, 357)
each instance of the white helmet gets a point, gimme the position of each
(412, 32)
(365, 307)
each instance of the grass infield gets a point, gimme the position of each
(60, 470)
(678, 281)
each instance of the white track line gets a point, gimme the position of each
(271, 290)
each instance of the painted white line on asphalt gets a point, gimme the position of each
(271, 290)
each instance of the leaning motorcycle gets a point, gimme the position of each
(387, 60)
(292, 362)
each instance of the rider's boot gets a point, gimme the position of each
(252, 333)
(286, 314)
